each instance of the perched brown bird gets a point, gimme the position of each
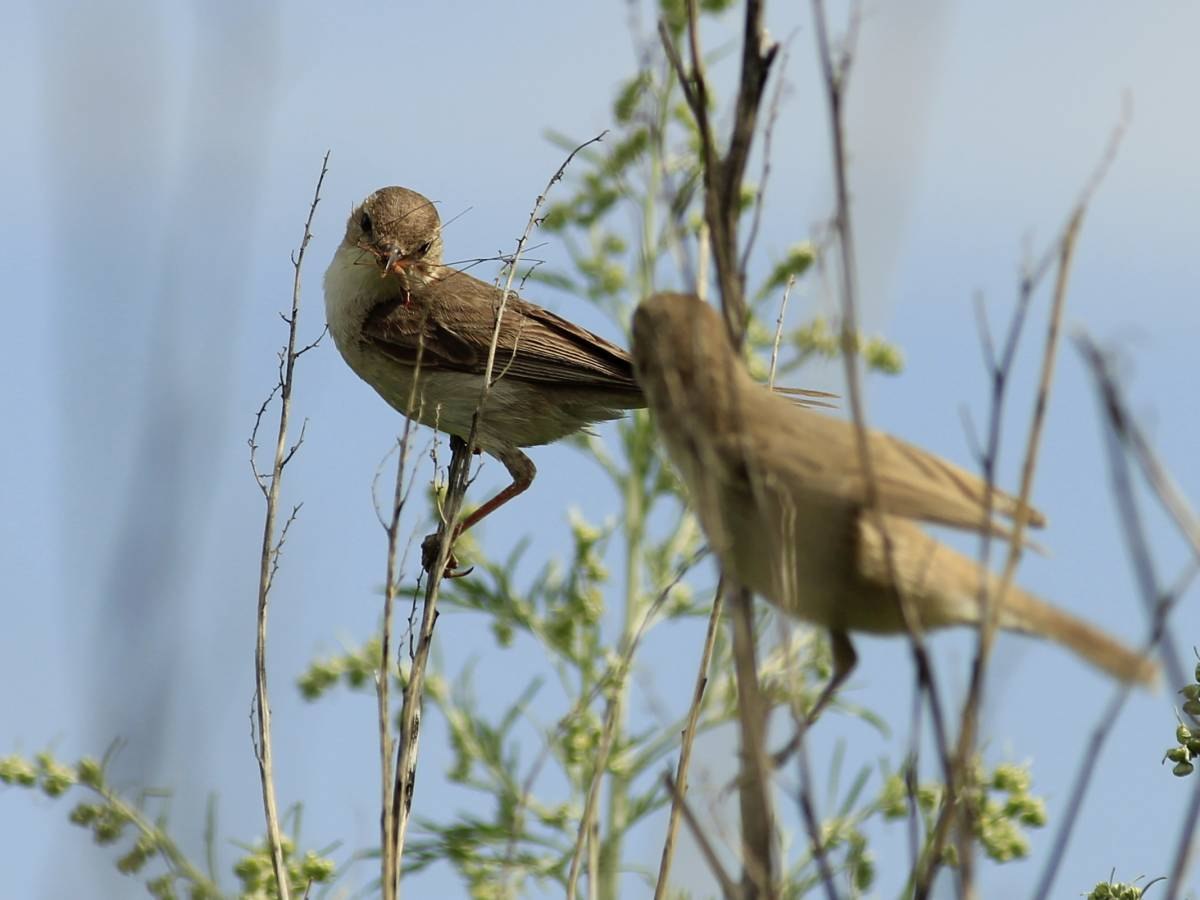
(394, 309)
(780, 492)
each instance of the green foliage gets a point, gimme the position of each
(817, 339)
(355, 668)
(143, 841)
(1187, 741)
(798, 260)
(257, 876)
(1115, 890)
(1001, 802)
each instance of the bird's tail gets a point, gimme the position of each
(1026, 613)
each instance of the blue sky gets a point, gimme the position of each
(158, 163)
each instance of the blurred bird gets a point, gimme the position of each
(781, 494)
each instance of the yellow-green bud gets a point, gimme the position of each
(89, 772)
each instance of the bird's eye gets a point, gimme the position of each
(365, 223)
(424, 248)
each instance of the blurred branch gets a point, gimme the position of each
(613, 681)
(765, 174)
(728, 887)
(1124, 439)
(722, 212)
(723, 173)
(270, 549)
(1058, 257)
(835, 72)
(991, 601)
(759, 856)
(679, 784)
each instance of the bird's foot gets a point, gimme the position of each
(429, 555)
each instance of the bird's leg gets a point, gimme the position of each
(522, 470)
(844, 661)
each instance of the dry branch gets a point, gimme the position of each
(457, 482)
(270, 548)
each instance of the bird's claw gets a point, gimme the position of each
(429, 555)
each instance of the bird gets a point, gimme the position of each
(418, 332)
(782, 497)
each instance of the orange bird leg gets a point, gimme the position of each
(521, 469)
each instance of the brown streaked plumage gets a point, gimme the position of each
(393, 308)
(780, 493)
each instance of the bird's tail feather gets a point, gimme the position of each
(1024, 612)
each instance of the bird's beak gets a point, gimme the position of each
(395, 261)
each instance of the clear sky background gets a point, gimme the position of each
(158, 162)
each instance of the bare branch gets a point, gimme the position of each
(389, 855)
(722, 214)
(680, 784)
(991, 601)
(1122, 440)
(459, 478)
(612, 680)
(1061, 253)
(269, 554)
(262, 478)
(728, 887)
(834, 74)
(759, 851)
(764, 177)
(723, 174)
(787, 291)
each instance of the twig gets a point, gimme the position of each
(723, 173)
(754, 777)
(808, 810)
(267, 560)
(993, 601)
(722, 211)
(834, 76)
(764, 177)
(1165, 488)
(1124, 439)
(389, 855)
(680, 784)
(458, 479)
(728, 887)
(999, 369)
(787, 291)
(613, 678)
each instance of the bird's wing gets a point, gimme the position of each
(449, 324)
(819, 456)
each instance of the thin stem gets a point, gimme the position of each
(728, 887)
(685, 749)
(389, 858)
(615, 680)
(267, 562)
(458, 479)
(834, 77)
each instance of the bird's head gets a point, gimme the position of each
(400, 231)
